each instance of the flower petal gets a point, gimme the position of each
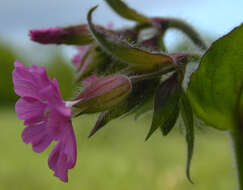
(64, 154)
(38, 136)
(28, 81)
(30, 109)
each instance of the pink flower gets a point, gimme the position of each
(46, 116)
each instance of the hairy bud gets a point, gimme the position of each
(75, 35)
(102, 94)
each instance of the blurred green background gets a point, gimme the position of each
(116, 158)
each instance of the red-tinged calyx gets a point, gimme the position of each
(103, 93)
(74, 35)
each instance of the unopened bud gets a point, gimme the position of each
(103, 94)
(81, 51)
(90, 61)
(75, 35)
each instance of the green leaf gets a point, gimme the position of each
(165, 105)
(170, 123)
(125, 52)
(240, 109)
(144, 108)
(141, 92)
(126, 12)
(187, 115)
(215, 87)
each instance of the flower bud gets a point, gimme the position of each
(74, 35)
(81, 51)
(102, 94)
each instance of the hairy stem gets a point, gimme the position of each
(188, 30)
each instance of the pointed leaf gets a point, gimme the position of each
(144, 108)
(142, 91)
(126, 12)
(187, 115)
(215, 87)
(123, 51)
(170, 123)
(165, 105)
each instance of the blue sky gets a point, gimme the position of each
(216, 17)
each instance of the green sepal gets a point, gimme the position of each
(91, 59)
(141, 92)
(170, 123)
(165, 105)
(139, 59)
(77, 35)
(187, 116)
(126, 12)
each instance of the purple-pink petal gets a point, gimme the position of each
(63, 156)
(46, 116)
(30, 109)
(29, 80)
(38, 136)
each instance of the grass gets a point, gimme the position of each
(117, 158)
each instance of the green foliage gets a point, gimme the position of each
(7, 58)
(240, 109)
(166, 104)
(215, 87)
(187, 115)
(126, 12)
(123, 51)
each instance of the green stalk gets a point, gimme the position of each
(152, 75)
(188, 30)
(237, 139)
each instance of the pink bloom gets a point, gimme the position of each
(46, 116)
(47, 35)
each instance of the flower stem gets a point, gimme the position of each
(147, 76)
(237, 139)
(188, 30)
